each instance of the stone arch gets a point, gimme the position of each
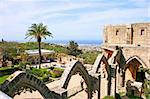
(137, 58)
(101, 67)
(20, 80)
(97, 65)
(131, 67)
(73, 68)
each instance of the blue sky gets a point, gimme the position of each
(69, 19)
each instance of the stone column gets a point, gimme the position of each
(99, 87)
(119, 80)
(113, 80)
(103, 81)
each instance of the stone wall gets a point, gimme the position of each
(137, 34)
(141, 52)
(115, 34)
(141, 34)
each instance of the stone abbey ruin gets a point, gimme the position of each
(126, 48)
(134, 43)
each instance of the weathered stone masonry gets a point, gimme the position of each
(136, 34)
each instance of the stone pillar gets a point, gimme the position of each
(119, 80)
(99, 87)
(113, 80)
(103, 81)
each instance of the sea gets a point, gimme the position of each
(79, 42)
(86, 43)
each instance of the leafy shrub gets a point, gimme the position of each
(122, 94)
(108, 97)
(45, 78)
(8, 70)
(3, 78)
(22, 65)
(56, 72)
(38, 72)
(73, 48)
(133, 97)
(146, 88)
(59, 69)
(51, 68)
(44, 74)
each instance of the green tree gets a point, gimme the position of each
(146, 83)
(73, 45)
(38, 31)
(146, 88)
(73, 48)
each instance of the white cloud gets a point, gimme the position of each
(109, 15)
(16, 16)
(91, 24)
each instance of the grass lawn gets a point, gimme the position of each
(3, 78)
(5, 68)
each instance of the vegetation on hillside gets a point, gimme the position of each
(14, 51)
(89, 57)
(11, 50)
(8, 51)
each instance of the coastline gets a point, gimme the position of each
(86, 45)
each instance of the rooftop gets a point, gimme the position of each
(36, 52)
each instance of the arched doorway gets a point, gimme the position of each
(99, 62)
(101, 67)
(132, 69)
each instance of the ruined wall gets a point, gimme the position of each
(115, 34)
(137, 34)
(141, 33)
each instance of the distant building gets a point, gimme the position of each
(36, 52)
(33, 55)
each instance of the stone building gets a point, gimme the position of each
(135, 34)
(134, 40)
(33, 55)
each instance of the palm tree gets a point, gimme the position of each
(38, 31)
